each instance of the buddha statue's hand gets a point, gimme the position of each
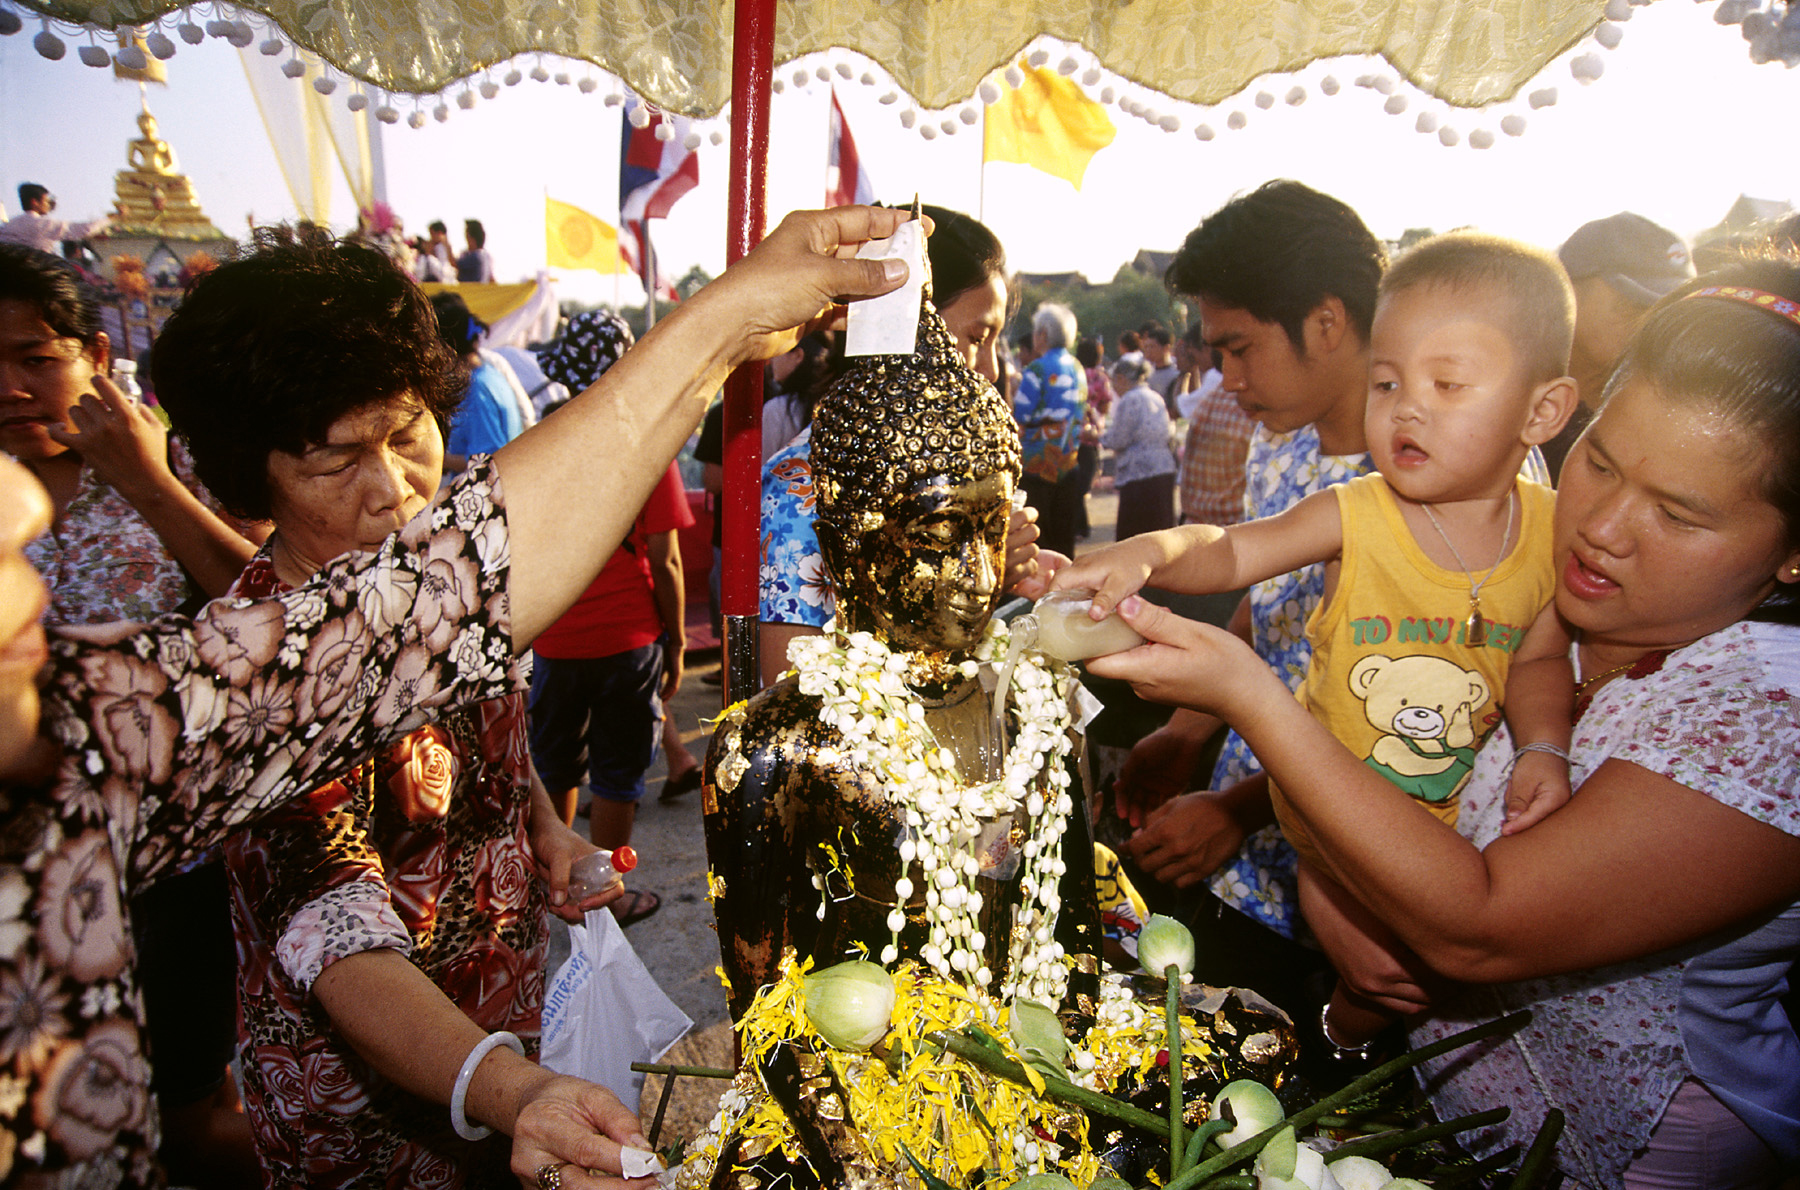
(1022, 551)
(799, 274)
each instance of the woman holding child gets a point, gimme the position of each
(1650, 923)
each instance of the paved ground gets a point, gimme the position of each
(678, 942)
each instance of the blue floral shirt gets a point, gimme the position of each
(1050, 407)
(794, 588)
(1281, 470)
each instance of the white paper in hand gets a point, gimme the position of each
(889, 324)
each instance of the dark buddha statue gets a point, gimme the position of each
(827, 837)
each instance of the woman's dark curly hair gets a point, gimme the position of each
(267, 351)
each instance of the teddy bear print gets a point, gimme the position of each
(1424, 709)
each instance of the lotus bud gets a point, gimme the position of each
(1277, 1161)
(850, 1004)
(1038, 1036)
(1405, 1184)
(1253, 1108)
(1164, 942)
(1360, 1173)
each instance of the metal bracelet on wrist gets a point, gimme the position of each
(1342, 1053)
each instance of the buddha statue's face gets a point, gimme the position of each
(926, 572)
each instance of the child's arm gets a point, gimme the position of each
(1203, 559)
(1540, 708)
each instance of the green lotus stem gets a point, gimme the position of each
(695, 1071)
(1543, 1148)
(1349, 1092)
(1197, 1142)
(1393, 1142)
(1457, 1175)
(1172, 1029)
(1232, 1181)
(1055, 1088)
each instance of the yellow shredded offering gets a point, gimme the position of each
(966, 1125)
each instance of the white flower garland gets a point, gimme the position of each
(861, 684)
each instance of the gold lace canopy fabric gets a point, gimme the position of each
(677, 53)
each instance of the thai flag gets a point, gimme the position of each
(653, 174)
(846, 181)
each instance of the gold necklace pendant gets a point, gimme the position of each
(1475, 629)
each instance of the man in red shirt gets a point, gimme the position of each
(602, 672)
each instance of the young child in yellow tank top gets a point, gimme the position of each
(1439, 571)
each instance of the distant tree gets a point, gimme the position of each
(692, 282)
(1130, 299)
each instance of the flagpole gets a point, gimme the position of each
(981, 184)
(649, 279)
(752, 71)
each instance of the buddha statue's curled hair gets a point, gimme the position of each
(891, 422)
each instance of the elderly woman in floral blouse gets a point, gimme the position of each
(407, 876)
(153, 741)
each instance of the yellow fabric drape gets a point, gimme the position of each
(297, 123)
(675, 53)
(1047, 122)
(575, 239)
(488, 302)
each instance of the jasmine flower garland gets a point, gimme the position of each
(861, 685)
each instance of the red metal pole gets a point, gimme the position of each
(752, 69)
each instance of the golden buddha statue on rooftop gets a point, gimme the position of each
(153, 196)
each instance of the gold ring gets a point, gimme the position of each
(549, 1177)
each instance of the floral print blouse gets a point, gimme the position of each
(793, 585)
(104, 563)
(174, 733)
(1610, 1046)
(425, 850)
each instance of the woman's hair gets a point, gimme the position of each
(1132, 369)
(54, 287)
(1745, 363)
(268, 350)
(963, 253)
(460, 329)
(821, 363)
(1087, 352)
(1057, 322)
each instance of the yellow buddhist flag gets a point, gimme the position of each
(1049, 124)
(577, 240)
(152, 71)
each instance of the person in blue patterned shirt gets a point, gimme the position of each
(1050, 407)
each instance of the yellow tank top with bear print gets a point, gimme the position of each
(1392, 675)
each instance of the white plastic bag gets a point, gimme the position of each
(603, 1011)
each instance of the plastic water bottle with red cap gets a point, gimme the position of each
(599, 870)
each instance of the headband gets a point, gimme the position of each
(1774, 303)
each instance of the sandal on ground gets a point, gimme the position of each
(635, 906)
(676, 787)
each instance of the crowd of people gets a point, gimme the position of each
(1520, 529)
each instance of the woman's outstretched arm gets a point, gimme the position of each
(574, 483)
(1634, 864)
